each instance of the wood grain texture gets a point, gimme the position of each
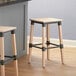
(6, 28)
(2, 55)
(45, 20)
(31, 41)
(48, 39)
(61, 41)
(43, 45)
(15, 53)
(53, 67)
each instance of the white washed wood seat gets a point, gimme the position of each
(45, 33)
(46, 20)
(5, 29)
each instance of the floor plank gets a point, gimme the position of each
(53, 67)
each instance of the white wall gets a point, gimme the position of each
(65, 9)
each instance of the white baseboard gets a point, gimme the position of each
(67, 43)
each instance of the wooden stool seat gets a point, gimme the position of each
(45, 20)
(5, 29)
(45, 37)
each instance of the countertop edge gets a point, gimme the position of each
(12, 2)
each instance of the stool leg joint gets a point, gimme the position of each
(2, 62)
(43, 48)
(59, 23)
(1, 34)
(13, 32)
(30, 45)
(14, 57)
(61, 46)
(32, 22)
(43, 25)
(48, 42)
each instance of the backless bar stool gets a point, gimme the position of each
(45, 26)
(5, 29)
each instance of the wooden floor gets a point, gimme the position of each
(53, 67)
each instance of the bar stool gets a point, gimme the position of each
(45, 26)
(5, 29)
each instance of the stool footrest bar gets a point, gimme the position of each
(14, 57)
(48, 43)
(2, 62)
(34, 45)
(54, 44)
(44, 48)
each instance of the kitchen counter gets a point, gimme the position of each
(15, 13)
